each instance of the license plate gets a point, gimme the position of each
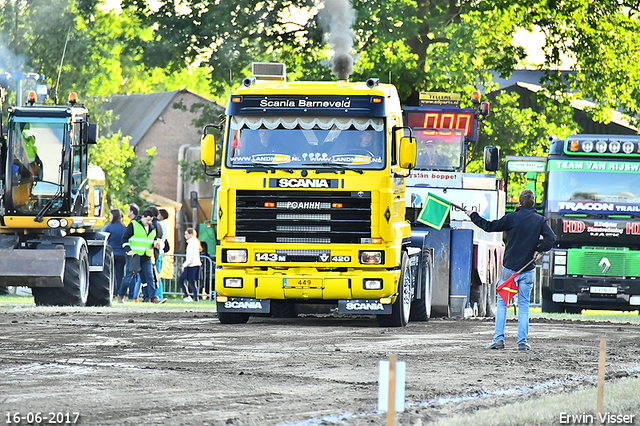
(604, 290)
(303, 282)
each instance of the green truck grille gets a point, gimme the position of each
(593, 261)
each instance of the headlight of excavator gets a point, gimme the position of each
(53, 223)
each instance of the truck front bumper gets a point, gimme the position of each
(596, 292)
(307, 284)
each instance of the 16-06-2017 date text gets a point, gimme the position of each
(38, 418)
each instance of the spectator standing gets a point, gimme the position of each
(162, 217)
(156, 251)
(140, 239)
(527, 236)
(131, 280)
(191, 267)
(116, 228)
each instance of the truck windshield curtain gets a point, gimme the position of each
(600, 187)
(36, 152)
(306, 142)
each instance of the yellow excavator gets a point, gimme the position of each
(52, 206)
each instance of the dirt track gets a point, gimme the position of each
(154, 366)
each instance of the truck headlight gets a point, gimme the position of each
(371, 257)
(233, 282)
(559, 270)
(236, 256)
(372, 284)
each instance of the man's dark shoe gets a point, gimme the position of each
(158, 300)
(524, 347)
(498, 344)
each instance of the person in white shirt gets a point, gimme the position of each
(191, 267)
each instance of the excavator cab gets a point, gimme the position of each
(52, 207)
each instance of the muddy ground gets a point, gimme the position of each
(161, 366)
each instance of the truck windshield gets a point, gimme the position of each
(36, 150)
(439, 149)
(306, 142)
(601, 187)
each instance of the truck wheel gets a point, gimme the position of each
(421, 308)
(401, 308)
(76, 284)
(101, 283)
(548, 305)
(232, 318)
(283, 309)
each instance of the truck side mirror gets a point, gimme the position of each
(208, 150)
(92, 134)
(408, 152)
(491, 158)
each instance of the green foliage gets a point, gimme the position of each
(127, 176)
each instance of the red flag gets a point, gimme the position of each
(508, 289)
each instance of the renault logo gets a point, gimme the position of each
(604, 265)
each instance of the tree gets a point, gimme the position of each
(96, 54)
(419, 45)
(127, 176)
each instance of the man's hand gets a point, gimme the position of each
(468, 212)
(537, 255)
(130, 253)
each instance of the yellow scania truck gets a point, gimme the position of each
(311, 206)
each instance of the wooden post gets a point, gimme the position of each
(601, 367)
(391, 411)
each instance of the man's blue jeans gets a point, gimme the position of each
(146, 276)
(525, 284)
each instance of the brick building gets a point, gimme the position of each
(152, 120)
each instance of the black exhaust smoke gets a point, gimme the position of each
(336, 18)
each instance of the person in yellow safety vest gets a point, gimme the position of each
(139, 239)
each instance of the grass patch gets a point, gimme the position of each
(173, 303)
(587, 315)
(620, 398)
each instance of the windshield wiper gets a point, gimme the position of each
(342, 168)
(266, 168)
(47, 206)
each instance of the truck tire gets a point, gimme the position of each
(101, 284)
(401, 308)
(421, 308)
(75, 288)
(548, 305)
(232, 318)
(283, 309)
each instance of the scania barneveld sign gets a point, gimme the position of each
(316, 105)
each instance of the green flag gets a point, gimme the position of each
(434, 212)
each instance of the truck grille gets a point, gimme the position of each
(303, 216)
(589, 261)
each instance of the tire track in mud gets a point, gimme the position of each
(166, 367)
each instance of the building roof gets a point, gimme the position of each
(619, 124)
(134, 114)
(523, 76)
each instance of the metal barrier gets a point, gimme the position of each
(172, 268)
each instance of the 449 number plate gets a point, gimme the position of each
(302, 282)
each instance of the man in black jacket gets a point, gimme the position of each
(527, 236)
